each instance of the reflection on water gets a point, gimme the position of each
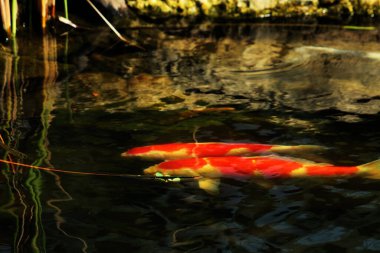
(259, 67)
(256, 83)
(25, 188)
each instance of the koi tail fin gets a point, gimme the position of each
(372, 169)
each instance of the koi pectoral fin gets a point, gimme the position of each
(210, 185)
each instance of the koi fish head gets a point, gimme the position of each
(181, 172)
(208, 177)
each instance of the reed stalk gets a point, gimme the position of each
(47, 9)
(66, 9)
(51, 8)
(9, 13)
(14, 17)
(6, 16)
(43, 10)
(121, 37)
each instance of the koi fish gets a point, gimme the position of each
(208, 171)
(173, 151)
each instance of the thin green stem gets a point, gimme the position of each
(66, 9)
(14, 17)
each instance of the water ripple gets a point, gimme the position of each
(329, 234)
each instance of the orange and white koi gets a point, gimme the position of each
(209, 170)
(173, 151)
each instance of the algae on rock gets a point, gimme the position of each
(254, 8)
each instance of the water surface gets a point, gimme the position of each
(77, 107)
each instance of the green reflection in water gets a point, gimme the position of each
(24, 189)
(34, 181)
(16, 195)
(34, 186)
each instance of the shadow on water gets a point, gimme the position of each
(78, 109)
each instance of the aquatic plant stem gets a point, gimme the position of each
(66, 9)
(14, 17)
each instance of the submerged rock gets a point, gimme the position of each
(253, 8)
(252, 67)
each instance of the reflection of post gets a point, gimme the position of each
(10, 97)
(16, 195)
(49, 88)
(24, 202)
(49, 91)
(13, 192)
(6, 99)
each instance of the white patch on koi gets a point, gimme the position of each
(294, 149)
(299, 172)
(238, 152)
(209, 171)
(164, 155)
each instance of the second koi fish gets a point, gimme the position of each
(208, 171)
(173, 151)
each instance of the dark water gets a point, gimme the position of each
(289, 84)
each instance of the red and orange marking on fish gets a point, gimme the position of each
(173, 151)
(210, 170)
(208, 162)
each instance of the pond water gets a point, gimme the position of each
(76, 102)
